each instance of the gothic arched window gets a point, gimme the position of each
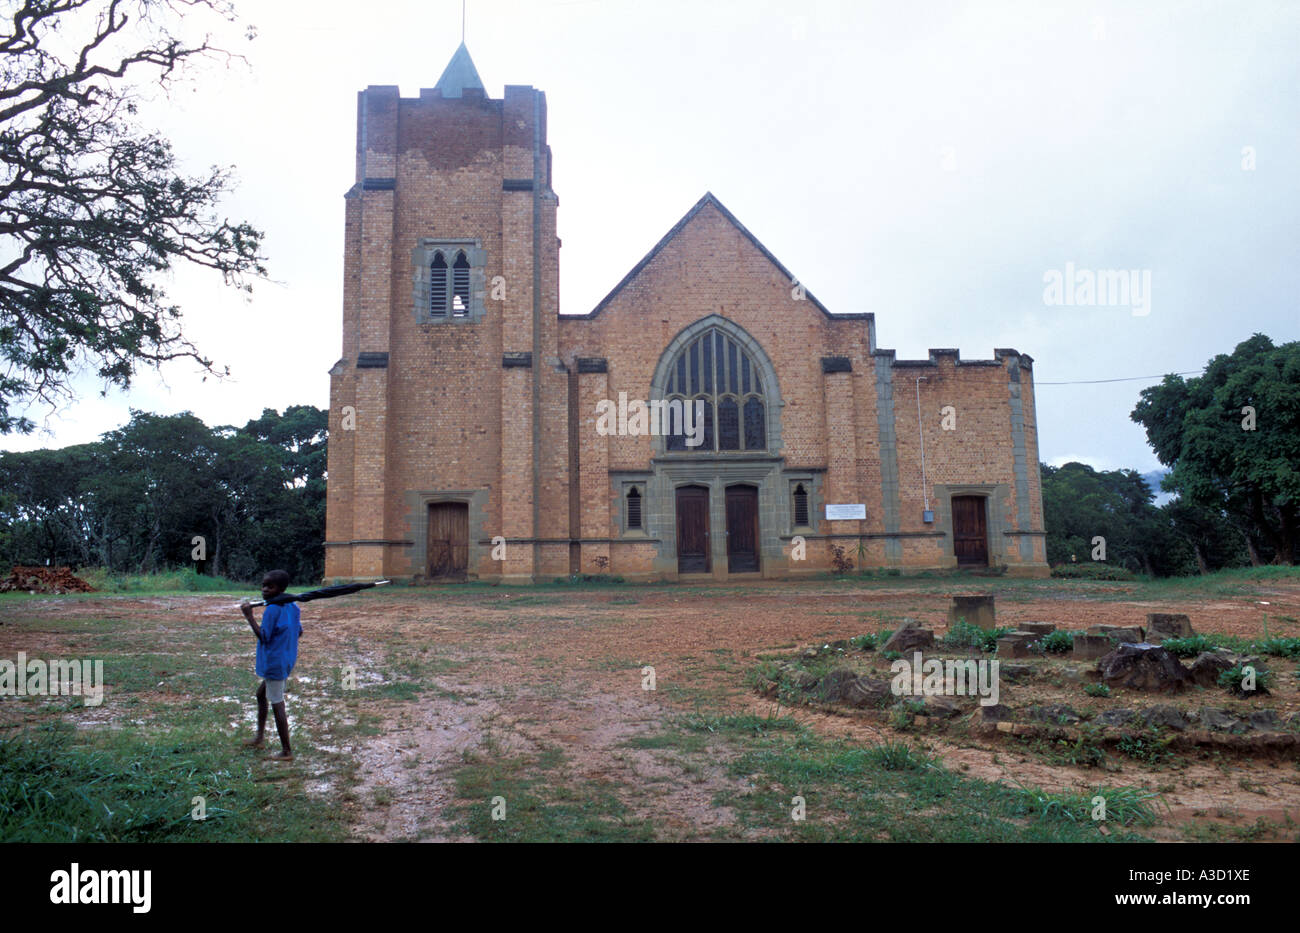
(634, 508)
(460, 285)
(716, 370)
(438, 286)
(448, 281)
(800, 506)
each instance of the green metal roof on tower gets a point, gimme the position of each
(459, 74)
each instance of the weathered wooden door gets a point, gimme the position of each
(970, 537)
(742, 529)
(448, 546)
(693, 529)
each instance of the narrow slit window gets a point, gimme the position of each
(800, 505)
(755, 424)
(708, 426)
(460, 286)
(633, 508)
(728, 425)
(676, 428)
(438, 286)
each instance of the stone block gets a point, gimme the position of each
(1124, 634)
(1162, 625)
(1038, 628)
(1091, 647)
(976, 610)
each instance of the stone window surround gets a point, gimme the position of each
(625, 531)
(812, 486)
(422, 256)
(767, 375)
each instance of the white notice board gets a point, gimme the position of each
(847, 512)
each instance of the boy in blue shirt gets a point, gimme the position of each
(277, 652)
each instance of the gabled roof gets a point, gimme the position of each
(709, 199)
(459, 74)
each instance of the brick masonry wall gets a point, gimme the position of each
(445, 417)
(712, 268)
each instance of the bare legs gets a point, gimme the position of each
(281, 725)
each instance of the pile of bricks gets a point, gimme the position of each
(44, 580)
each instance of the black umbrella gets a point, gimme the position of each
(325, 592)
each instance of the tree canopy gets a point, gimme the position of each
(1232, 439)
(136, 499)
(1081, 504)
(93, 209)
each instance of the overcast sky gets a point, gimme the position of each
(928, 162)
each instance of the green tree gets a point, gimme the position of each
(1232, 440)
(45, 517)
(1203, 539)
(161, 479)
(278, 464)
(1081, 504)
(93, 210)
(135, 499)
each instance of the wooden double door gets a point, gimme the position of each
(694, 547)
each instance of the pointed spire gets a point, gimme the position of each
(459, 74)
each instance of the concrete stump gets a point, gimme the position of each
(1016, 644)
(1162, 625)
(1091, 647)
(908, 638)
(1038, 628)
(1124, 634)
(977, 610)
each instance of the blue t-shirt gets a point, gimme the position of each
(277, 649)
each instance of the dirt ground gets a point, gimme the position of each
(520, 671)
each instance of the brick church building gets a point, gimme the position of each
(477, 432)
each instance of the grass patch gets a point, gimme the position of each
(965, 634)
(1124, 805)
(1149, 746)
(899, 756)
(187, 580)
(57, 785)
(1057, 642)
(528, 798)
(890, 793)
(1188, 647)
(1280, 647)
(1092, 571)
(1235, 678)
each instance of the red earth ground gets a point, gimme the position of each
(557, 667)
